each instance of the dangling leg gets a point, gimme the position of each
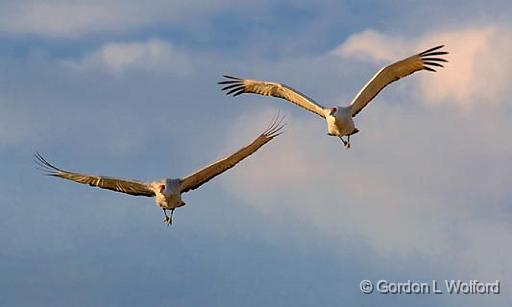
(348, 141)
(167, 219)
(172, 212)
(344, 142)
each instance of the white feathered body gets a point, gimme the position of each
(340, 123)
(170, 197)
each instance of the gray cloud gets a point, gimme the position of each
(75, 18)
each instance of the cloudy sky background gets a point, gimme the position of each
(129, 89)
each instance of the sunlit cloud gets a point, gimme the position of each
(372, 45)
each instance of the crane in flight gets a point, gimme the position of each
(339, 119)
(167, 192)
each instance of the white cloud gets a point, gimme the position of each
(476, 76)
(153, 54)
(372, 45)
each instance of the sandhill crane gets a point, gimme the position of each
(167, 192)
(339, 119)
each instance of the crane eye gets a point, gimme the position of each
(162, 187)
(333, 110)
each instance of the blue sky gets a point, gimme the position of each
(124, 89)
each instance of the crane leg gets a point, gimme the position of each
(348, 141)
(170, 218)
(344, 142)
(167, 219)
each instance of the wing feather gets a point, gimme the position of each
(131, 187)
(425, 60)
(237, 86)
(204, 175)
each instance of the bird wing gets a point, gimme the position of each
(237, 86)
(425, 60)
(131, 187)
(202, 176)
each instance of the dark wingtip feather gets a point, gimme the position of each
(233, 80)
(236, 89)
(433, 64)
(434, 59)
(229, 81)
(230, 86)
(428, 58)
(432, 49)
(44, 165)
(240, 92)
(276, 126)
(435, 53)
(231, 77)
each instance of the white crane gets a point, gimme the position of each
(340, 118)
(167, 192)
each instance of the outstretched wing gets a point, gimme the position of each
(202, 176)
(426, 60)
(237, 86)
(131, 187)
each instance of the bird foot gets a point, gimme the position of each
(168, 220)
